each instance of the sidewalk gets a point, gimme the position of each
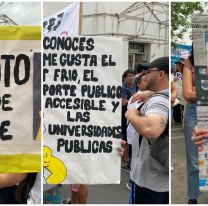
(178, 176)
(105, 194)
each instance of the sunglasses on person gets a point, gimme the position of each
(151, 70)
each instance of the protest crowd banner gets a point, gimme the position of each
(64, 22)
(20, 99)
(82, 109)
(200, 45)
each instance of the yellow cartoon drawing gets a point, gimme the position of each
(55, 166)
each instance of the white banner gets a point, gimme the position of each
(20, 99)
(82, 109)
(16, 115)
(200, 45)
(64, 22)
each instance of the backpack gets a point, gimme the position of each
(159, 150)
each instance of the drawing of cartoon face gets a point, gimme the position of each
(55, 166)
(46, 156)
(204, 84)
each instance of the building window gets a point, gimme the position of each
(131, 61)
(136, 47)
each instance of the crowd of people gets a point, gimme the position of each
(145, 138)
(145, 121)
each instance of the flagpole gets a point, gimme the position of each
(80, 17)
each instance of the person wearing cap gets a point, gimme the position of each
(150, 147)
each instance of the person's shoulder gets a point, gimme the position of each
(124, 86)
(159, 98)
(157, 104)
(134, 85)
(164, 95)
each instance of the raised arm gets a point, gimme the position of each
(189, 93)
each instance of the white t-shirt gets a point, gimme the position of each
(131, 132)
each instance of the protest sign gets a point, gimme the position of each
(200, 45)
(82, 109)
(64, 22)
(20, 99)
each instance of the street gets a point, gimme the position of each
(105, 194)
(178, 175)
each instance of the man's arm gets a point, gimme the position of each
(141, 96)
(151, 126)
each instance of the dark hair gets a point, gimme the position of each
(139, 67)
(128, 71)
(139, 78)
(24, 188)
(191, 58)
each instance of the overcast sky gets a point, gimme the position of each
(23, 13)
(50, 8)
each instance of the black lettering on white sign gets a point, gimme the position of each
(73, 85)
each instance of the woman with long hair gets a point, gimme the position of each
(190, 120)
(20, 188)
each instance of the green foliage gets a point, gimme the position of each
(180, 17)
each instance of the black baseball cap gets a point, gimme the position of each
(144, 65)
(140, 67)
(161, 63)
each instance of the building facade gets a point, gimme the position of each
(143, 26)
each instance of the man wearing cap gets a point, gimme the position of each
(150, 147)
